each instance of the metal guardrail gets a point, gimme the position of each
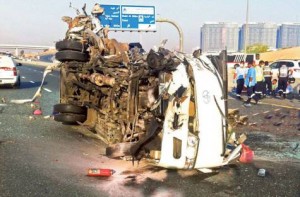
(14, 46)
(36, 63)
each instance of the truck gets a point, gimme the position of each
(167, 106)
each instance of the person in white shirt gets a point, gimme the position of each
(267, 71)
(240, 80)
(259, 79)
(283, 75)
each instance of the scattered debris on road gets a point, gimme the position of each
(38, 93)
(277, 123)
(31, 118)
(3, 100)
(47, 117)
(247, 154)
(297, 145)
(37, 112)
(261, 172)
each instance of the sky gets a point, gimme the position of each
(38, 22)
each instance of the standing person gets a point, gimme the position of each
(234, 77)
(246, 67)
(250, 82)
(259, 79)
(283, 75)
(267, 71)
(240, 78)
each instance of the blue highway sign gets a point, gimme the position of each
(138, 18)
(111, 16)
(129, 17)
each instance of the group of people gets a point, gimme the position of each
(258, 81)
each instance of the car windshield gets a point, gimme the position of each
(274, 65)
(6, 62)
(277, 65)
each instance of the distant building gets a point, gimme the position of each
(218, 36)
(259, 33)
(289, 35)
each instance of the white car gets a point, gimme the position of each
(9, 74)
(293, 65)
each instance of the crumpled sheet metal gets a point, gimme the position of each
(47, 70)
(100, 79)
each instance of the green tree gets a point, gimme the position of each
(257, 48)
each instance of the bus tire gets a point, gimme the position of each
(69, 55)
(69, 45)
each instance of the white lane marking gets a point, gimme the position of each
(41, 72)
(31, 81)
(53, 75)
(23, 77)
(47, 89)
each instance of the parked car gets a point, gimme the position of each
(293, 65)
(9, 74)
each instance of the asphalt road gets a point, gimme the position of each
(41, 157)
(31, 78)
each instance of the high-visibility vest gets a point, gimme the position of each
(267, 71)
(283, 71)
(259, 73)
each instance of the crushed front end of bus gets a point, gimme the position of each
(168, 107)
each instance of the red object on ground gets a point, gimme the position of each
(100, 172)
(37, 112)
(247, 154)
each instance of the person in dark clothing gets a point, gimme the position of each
(267, 71)
(250, 82)
(283, 75)
(259, 80)
(239, 76)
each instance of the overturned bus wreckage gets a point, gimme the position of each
(169, 107)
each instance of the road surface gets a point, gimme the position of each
(42, 157)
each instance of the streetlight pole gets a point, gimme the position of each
(246, 28)
(180, 32)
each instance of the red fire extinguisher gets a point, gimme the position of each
(100, 172)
